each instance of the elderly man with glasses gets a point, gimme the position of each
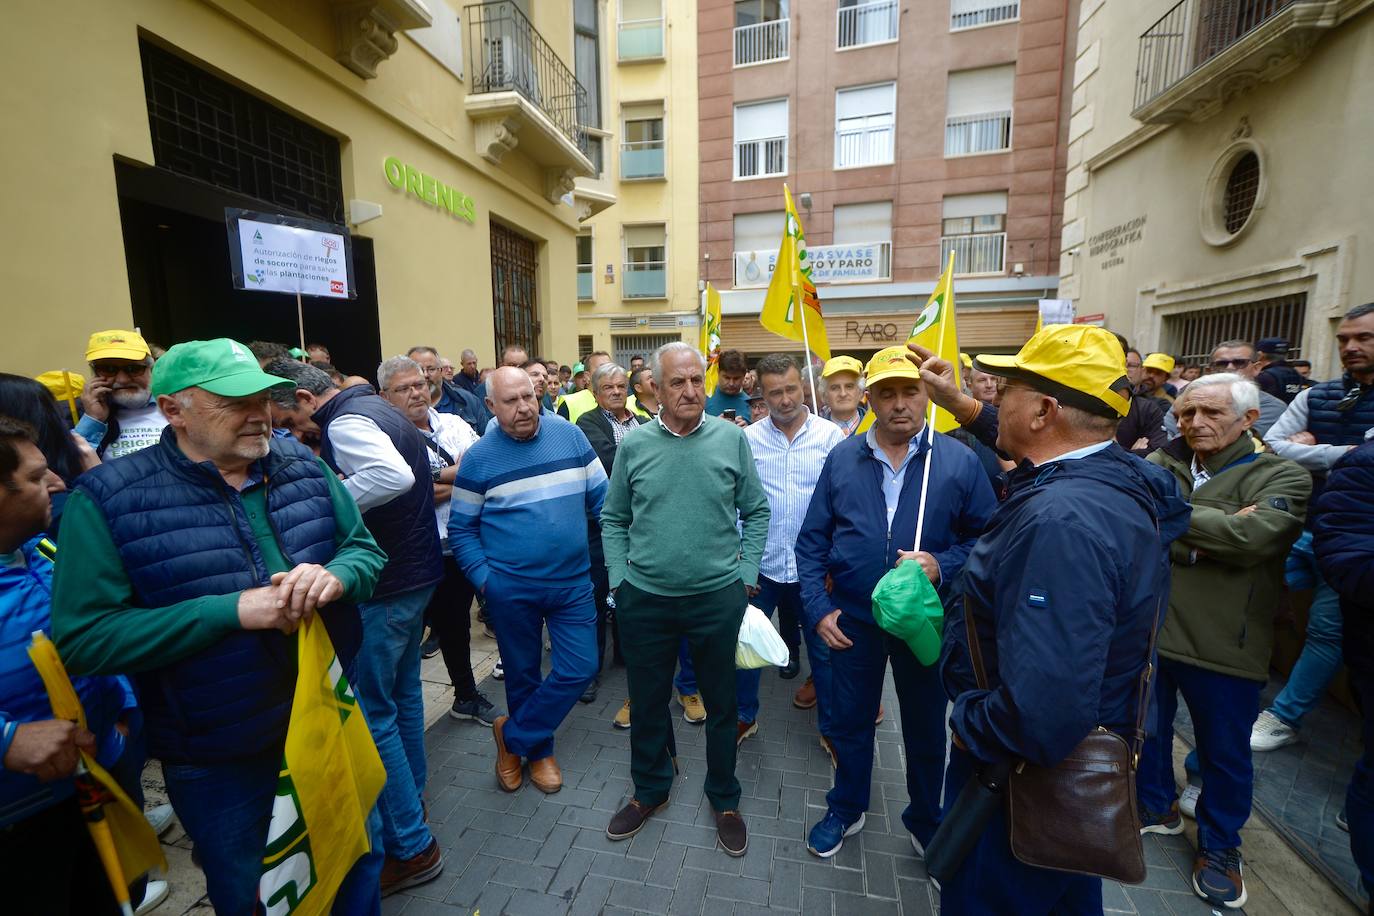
(121, 416)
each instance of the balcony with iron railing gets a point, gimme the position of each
(866, 24)
(979, 253)
(639, 39)
(762, 42)
(862, 146)
(969, 14)
(641, 159)
(1201, 52)
(967, 135)
(585, 281)
(645, 280)
(523, 94)
(761, 158)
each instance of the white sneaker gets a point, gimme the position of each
(917, 847)
(498, 672)
(1271, 733)
(160, 817)
(155, 893)
(1187, 802)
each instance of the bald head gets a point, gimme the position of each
(510, 396)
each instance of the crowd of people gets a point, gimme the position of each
(173, 520)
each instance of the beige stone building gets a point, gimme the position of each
(1219, 183)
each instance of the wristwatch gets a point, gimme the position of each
(434, 474)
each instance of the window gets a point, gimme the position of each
(762, 30)
(1242, 187)
(867, 224)
(865, 22)
(641, 153)
(646, 265)
(974, 228)
(639, 34)
(443, 40)
(1234, 194)
(864, 125)
(586, 269)
(761, 139)
(966, 14)
(1192, 335)
(978, 111)
(587, 60)
(756, 244)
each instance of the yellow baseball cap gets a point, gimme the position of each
(842, 364)
(892, 362)
(62, 384)
(966, 360)
(117, 345)
(1161, 361)
(1081, 365)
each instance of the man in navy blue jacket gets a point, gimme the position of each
(1063, 588)
(861, 520)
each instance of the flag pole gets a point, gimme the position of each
(930, 420)
(806, 345)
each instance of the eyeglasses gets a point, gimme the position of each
(1352, 397)
(110, 370)
(407, 389)
(1230, 363)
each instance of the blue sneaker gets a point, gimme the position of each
(1217, 878)
(1168, 822)
(826, 838)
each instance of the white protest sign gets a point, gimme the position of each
(1056, 311)
(288, 259)
(863, 261)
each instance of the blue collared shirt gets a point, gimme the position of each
(788, 471)
(1083, 452)
(893, 476)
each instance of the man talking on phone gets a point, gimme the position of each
(121, 416)
(728, 401)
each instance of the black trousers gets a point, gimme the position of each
(450, 616)
(51, 866)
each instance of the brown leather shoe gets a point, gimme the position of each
(629, 819)
(829, 748)
(398, 874)
(805, 697)
(731, 833)
(882, 714)
(545, 775)
(745, 730)
(508, 774)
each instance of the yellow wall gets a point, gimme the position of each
(80, 102)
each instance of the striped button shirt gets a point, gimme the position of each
(789, 471)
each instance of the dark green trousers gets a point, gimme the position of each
(651, 628)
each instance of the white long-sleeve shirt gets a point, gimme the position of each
(374, 472)
(1294, 421)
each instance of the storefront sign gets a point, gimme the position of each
(410, 180)
(280, 254)
(829, 264)
(876, 331)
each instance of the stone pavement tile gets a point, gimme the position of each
(644, 844)
(612, 866)
(817, 874)
(1114, 899)
(917, 897)
(493, 899)
(690, 893)
(786, 888)
(416, 906)
(691, 835)
(868, 906)
(758, 858)
(781, 829)
(730, 887)
(638, 897)
(510, 847)
(589, 898)
(572, 872)
(818, 902)
(713, 860)
(474, 879)
(518, 875)
(529, 903)
(539, 826)
(667, 863)
(554, 846)
(882, 876)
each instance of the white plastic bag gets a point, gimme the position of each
(759, 644)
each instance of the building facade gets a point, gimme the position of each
(637, 262)
(1219, 181)
(905, 131)
(456, 143)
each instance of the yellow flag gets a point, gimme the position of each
(710, 337)
(125, 840)
(329, 781)
(791, 307)
(934, 330)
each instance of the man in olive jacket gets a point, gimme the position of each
(1214, 646)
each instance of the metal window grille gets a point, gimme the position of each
(514, 302)
(865, 23)
(625, 346)
(964, 14)
(584, 346)
(207, 129)
(1191, 336)
(1242, 186)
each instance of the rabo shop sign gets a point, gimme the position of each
(829, 264)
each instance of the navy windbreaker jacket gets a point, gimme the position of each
(1343, 538)
(1063, 587)
(845, 533)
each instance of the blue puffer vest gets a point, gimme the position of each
(404, 527)
(183, 533)
(1336, 427)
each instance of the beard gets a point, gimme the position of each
(129, 398)
(253, 449)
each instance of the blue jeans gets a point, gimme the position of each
(1359, 798)
(226, 808)
(992, 880)
(856, 688)
(1321, 654)
(388, 687)
(1223, 708)
(519, 611)
(786, 598)
(685, 681)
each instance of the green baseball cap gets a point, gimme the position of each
(906, 605)
(220, 366)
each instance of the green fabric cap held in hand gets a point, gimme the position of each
(906, 605)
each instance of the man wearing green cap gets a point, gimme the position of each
(188, 565)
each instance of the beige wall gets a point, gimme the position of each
(80, 103)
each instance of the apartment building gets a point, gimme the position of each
(906, 131)
(1219, 184)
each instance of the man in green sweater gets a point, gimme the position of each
(679, 567)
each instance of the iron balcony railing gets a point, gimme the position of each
(511, 56)
(981, 253)
(966, 14)
(980, 133)
(863, 146)
(1192, 33)
(866, 24)
(759, 158)
(762, 42)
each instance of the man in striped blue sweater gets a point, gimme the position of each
(529, 474)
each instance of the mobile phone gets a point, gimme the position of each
(728, 414)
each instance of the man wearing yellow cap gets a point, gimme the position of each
(861, 522)
(1063, 589)
(843, 393)
(1154, 378)
(121, 415)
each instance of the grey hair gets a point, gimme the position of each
(1087, 422)
(467, 354)
(394, 367)
(1244, 393)
(185, 398)
(605, 371)
(1235, 345)
(315, 381)
(676, 346)
(422, 349)
(1359, 311)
